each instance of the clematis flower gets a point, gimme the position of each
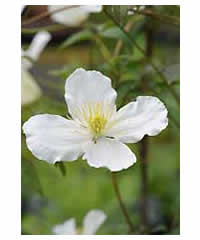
(91, 223)
(30, 91)
(96, 130)
(73, 16)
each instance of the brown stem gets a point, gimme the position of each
(145, 141)
(144, 183)
(46, 14)
(163, 18)
(122, 206)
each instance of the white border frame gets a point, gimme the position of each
(11, 124)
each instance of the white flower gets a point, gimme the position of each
(30, 91)
(73, 16)
(91, 223)
(97, 131)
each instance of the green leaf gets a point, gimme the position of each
(116, 33)
(77, 37)
(127, 90)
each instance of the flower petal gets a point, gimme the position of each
(92, 221)
(93, 8)
(53, 138)
(147, 115)
(67, 228)
(30, 90)
(109, 153)
(71, 17)
(88, 87)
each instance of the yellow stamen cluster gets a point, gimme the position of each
(98, 114)
(95, 116)
(97, 124)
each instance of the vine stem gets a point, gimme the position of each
(162, 18)
(149, 31)
(156, 69)
(122, 206)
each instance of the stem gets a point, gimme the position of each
(163, 18)
(122, 206)
(144, 183)
(118, 46)
(156, 69)
(49, 28)
(145, 141)
(46, 14)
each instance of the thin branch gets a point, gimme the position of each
(156, 69)
(46, 14)
(49, 28)
(145, 141)
(122, 206)
(163, 18)
(118, 46)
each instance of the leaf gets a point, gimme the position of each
(77, 37)
(116, 33)
(127, 89)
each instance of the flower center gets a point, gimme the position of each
(95, 117)
(96, 124)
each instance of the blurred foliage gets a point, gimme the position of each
(51, 194)
(120, 13)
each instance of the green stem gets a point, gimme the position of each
(156, 69)
(122, 206)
